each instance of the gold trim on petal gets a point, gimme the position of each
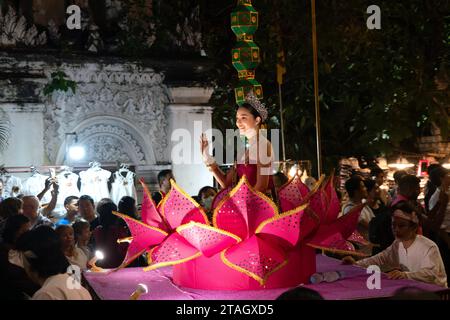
(242, 181)
(283, 215)
(174, 185)
(130, 260)
(125, 217)
(171, 263)
(318, 183)
(204, 226)
(261, 281)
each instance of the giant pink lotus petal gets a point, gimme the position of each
(335, 243)
(316, 204)
(344, 225)
(291, 226)
(243, 211)
(207, 239)
(331, 202)
(177, 208)
(175, 249)
(219, 196)
(149, 214)
(291, 194)
(143, 237)
(255, 257)
(333, 236)
(347, 223)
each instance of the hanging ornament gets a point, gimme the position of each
(245, 56)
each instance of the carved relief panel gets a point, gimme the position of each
(118, 115)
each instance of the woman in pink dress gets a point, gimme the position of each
(256, 161)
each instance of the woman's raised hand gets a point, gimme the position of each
(203, 144)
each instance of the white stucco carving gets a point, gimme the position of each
(133, 97)
(14, 30)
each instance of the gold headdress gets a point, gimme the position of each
(252, 100)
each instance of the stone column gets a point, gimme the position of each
(26, 141)
(188, 117)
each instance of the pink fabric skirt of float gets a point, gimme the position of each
(213, 274)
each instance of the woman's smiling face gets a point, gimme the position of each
(246, 121)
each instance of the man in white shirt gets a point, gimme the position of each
(32, 211)
(356, 191)
(411, 256)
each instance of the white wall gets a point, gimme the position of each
(191, 175)
(26, 142)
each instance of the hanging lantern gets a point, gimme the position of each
(245, 56)
(244, 87)
(244, 19)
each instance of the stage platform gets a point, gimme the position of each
(121, 284)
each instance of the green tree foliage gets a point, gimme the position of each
(379, 89)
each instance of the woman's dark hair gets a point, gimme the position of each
(300, 293)
(162, 175)
(10, 207)
(105, 208)
(78, 228)
(252, 110)
(370, 184)
(60, 229)
(437, 174)
(398, 175)
(375, 171)
(283, 178)
(353, 184)
(203, 190)
(47, 258)
(127, 206)
(12, 226)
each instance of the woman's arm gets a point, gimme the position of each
(384, 258)
(225, 180)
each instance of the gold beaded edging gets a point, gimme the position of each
(204, 226)
(242, 181)
(174, 186)
(169, 263)
(261, 281)
(125, 217)
(283, 215)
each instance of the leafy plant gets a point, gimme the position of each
(59, 82)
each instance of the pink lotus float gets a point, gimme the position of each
(250, 245)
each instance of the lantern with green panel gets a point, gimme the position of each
(244, 86)
(244, 19)
(245, 55)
